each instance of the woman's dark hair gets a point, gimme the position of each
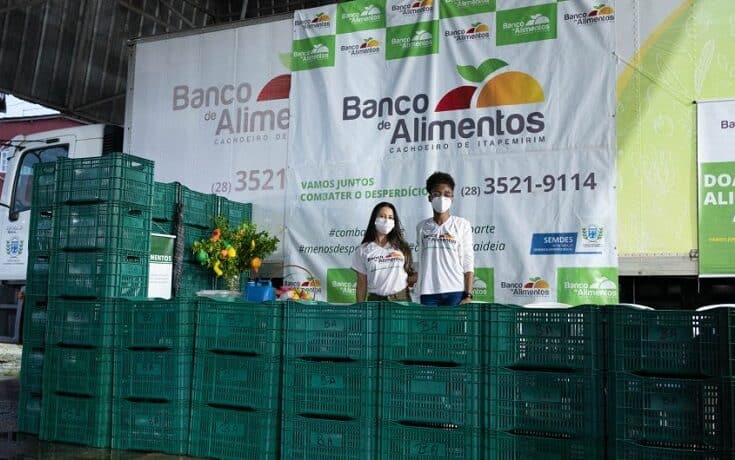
(439, 178)
(395, 237)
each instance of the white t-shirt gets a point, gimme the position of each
(445, 254)
(383, 267)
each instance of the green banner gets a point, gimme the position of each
(587, 285)
(528, 24)
(360, 15)
(418, 39)
(717, 218)
(454, 8)
(313, 53)
(341, 285)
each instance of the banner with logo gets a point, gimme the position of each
(212, 110)
(513, 98)
(716, 161)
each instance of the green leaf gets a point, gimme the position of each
(285, 59)
(469, 73)
(490, 66)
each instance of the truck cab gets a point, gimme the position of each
(15, 203)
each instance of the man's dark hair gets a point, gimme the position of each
(439, 178)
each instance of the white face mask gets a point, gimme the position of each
(441, 204)
(384, 225)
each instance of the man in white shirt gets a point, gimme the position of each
(446, 255)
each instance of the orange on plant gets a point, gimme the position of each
(256, 263)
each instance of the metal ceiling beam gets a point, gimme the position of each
(22, 5)
(166, 26)
(177, 14)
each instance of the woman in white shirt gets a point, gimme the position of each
(383, 260)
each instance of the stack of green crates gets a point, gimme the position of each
(101, 232)
(35, 304)
(154, 345)
(545, 383)
(330, 381)
(671, 385)
(198, 211)
(236, 386)
(431, 381)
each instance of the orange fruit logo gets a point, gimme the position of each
(506, 88)
(320, 17)
(536, 283)
(600, 10)
(369, 43)
(477, 28)
(422, 4)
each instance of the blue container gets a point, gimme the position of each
(259, 291)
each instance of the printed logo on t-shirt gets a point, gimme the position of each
(442, 240)
(384, 262)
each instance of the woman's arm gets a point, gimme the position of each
(361, 294)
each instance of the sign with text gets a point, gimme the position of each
(716, 161)
(515, 101)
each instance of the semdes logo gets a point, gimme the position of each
(476, 32)
(368, 46)
(320, 20)
(534, 287)
(599, 13)
(235, 116)
(593, 233)
(508, 88)
(417, 7)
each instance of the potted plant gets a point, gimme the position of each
(231, 251)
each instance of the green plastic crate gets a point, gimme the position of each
(673, 412)
(97, 275)
(41, 229)
(626, 450)
(81, 322)
(673, 342)
(443, 334)
(507, 446)
(324, 388)
(307, 438)
(321, 330)
(194, 278)
(79, 371)
(37, 274)
(35, 317)
(235, 212)
(165, 197)
(237, 380)
(199, 208)
(106, 226)
(231, 434)
(73, 419)
(430, 394)
(150, 426)
(399, 440)
(155, 323)
(546, 338)
(550, 404)
(239, 326)
(43, 194)
(31, 370)
(29, 412)
(153, 374)
(114, 177)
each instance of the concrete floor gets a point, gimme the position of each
(19, 446)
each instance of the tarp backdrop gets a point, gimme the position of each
(514, 98)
